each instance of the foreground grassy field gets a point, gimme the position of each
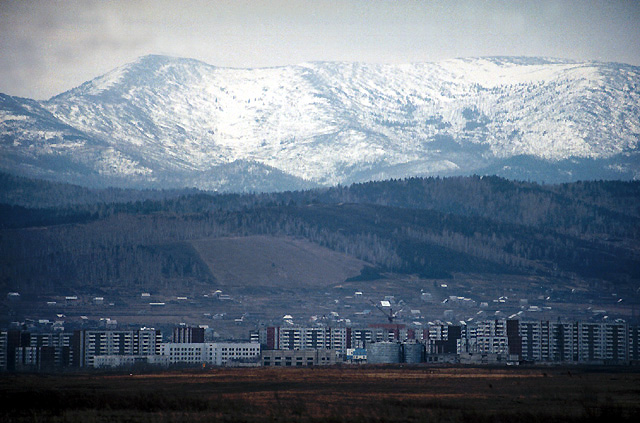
(339, 394)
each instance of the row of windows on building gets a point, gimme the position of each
(215, 353)
(533, 341)
(20, 350)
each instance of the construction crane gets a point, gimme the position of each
(390, 314)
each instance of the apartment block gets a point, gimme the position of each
(215, 353)
(22, 350)
(4, 335)
(443, 339)
(299, 338)
(87, 344)
(188, 335)
(634, 344)
(585, 342)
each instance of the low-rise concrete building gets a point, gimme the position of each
(298, 358)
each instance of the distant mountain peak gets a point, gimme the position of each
(167, 120)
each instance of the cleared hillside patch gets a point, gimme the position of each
(274, 262)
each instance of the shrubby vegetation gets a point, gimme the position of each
(327, 394)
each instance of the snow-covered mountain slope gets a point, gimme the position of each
(33, 142)
(164, 121)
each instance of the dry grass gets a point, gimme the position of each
(274, 262)
(339, 394)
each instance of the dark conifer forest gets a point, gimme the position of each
(57, 236)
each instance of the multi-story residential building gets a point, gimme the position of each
(314, 338)
(90, 343)
(491, 328)
(392, 332)
(41, 351)
(291, 338)
(590, 342)
(361, 337)
(634, 343)
(514, 339)
(215, 353)
(4, 335)
(489, 337)
(616, 346)
(563, 339)
(188, 335)
(339, 340)
(443, 339)
(544, 341)
(586, 342)
(299, 338)
(530, 333)
(491, 345)
(505, 340)
(21, 350)
(148, 341)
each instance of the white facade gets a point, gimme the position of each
(491, 345)
(603, 342)
(300, 338)
(216, 353)
(549, 341)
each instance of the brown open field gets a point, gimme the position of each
(337, 394)
(274, 262)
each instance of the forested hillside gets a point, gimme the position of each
(429, 227)
(36, 193)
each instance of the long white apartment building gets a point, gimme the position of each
(333, 338)
(215, 353)
(299, 338)
(548, 341)
(585, 342)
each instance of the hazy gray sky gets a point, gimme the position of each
(47, 47)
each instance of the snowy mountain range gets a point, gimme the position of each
(172, 122)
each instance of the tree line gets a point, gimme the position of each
(431, 227)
